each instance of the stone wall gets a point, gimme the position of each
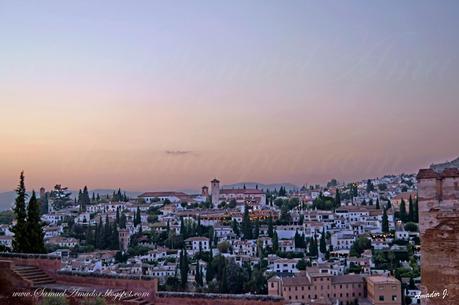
(52, 264)
(48, 263)
(188, 298)
(134, 284)
(438, 195)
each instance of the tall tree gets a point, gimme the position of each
(337, 199)
(403, 215)
(370, 186)
(322, 243)
(416, 210)
(20, 241)
(117, 219)
(123, 221)
(377, 204)
(411, 216)
(119, 196)
(35, 233)
(107, 233)
(270, 227)
(183, 268)
(235, 227)
(115, 238)
(275, 242)
(198, 274)
(256, 230)
(246, 224)
(313, 251)
(137, 220)
(385, 222)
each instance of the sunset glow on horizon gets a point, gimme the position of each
(158, 96)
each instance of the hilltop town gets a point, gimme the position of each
(338, 243)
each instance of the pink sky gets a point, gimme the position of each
(170, 96)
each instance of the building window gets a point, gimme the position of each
(381, 298)
(394, 298)
(272, 285)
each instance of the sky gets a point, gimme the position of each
(158, 95)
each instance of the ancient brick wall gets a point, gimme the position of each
(439, 231)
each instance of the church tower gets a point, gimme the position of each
(215, 192)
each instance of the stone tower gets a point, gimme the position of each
(438, 193)
(124, 239)
(215, 192)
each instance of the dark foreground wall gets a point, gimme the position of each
(189, 298)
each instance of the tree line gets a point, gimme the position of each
(28, 230)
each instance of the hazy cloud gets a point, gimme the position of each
(178, 152)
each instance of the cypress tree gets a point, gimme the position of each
(107, 233)
(34, 227)
(385, 222)
(137, 220)
(120, 196)
(323, 245)
(256, 230)
(377, 204)
(403, 216)
(90, 237)
(80, 198)
(183, 268)
(20, 241)
(96, 237)
(246, 224)
(275, 242)
(210, 270)
(270, 227)
(100, 234)
(183, 230)
(115, 238)
(337, 199)
(297, 240)
(123, 221)
(411, 216)
(235, 227)
(198, 275)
